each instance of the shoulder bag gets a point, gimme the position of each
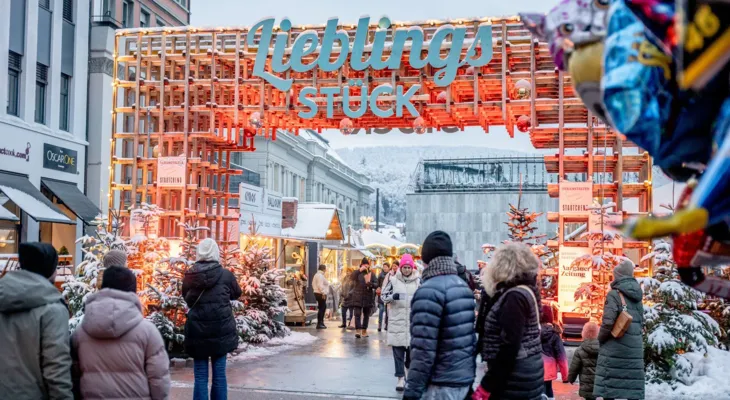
(534, 300)
(623, 321)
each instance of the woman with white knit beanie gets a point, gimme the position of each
(210, 330)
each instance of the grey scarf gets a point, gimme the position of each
(439, 266)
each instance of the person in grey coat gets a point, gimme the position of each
(620, 369)
(35, 359)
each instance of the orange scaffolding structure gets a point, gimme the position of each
(192, 92)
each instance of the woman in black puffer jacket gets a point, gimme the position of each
(210, 330)
(510, 337)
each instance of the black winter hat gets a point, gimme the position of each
(437, 244)
(39, 258)
(119, 278)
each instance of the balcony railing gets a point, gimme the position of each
(106, 19)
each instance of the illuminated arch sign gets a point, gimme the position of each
(443, 52)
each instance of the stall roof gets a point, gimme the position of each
(72, 197)
(6, 215)
(316, 221)
(26, 196)
(369, 237)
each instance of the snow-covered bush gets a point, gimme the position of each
(673, 325)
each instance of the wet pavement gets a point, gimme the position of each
(336, 366)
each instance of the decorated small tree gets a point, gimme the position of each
(163, 293)
(263, 300)
(87, 277)
(520, 225)
(673, 325)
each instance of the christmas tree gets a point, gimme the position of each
(87, 277)
(673, 325)
(520, 225)
(263, 300)
(163, 293)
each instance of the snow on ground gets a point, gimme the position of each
(275, 346)
(711, 383)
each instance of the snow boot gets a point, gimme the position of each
(401, 385)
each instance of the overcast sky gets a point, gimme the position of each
(248, 12)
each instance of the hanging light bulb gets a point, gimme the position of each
(522, 89)
(419, 126)
(255, 120)
(346, 126)
(523, 123)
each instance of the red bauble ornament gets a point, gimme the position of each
(419, 125)
(442, 97)
(346, 126)
(523, 123)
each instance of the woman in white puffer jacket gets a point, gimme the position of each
(397, 295)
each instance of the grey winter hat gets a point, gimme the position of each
(208, 250)
(624, 269)
(115, 258)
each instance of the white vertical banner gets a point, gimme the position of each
(609, 221)
(570, 278)
(171, 172)
(137, 219)
(575, 197)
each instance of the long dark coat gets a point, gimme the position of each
(362, 292)
(210, 330)
(620, 369)
(583, 365)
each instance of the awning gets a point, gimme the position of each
(6, 215)
(71, 196)
(30, 199)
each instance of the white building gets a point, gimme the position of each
(43, 136)
(306, 167)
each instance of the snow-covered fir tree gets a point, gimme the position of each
(263, 298)
(87, 277)
(673, 325)
(163, 293)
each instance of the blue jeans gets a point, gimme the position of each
(219, 388)
(382, 310)
(402, 358)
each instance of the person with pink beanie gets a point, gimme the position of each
(397, 296)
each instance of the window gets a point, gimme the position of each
(108, 8)
(183, 3)
(68, 10)
(127, 14)
(160, 22)
(144, 19)
(45, 4)
(41, 81)
(64, 117)
(14, 84)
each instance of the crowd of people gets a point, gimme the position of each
(437, 333)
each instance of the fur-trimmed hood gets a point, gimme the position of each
(511, 262)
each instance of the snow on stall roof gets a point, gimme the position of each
(6, 215)
(313, 221)
(32, 206)
(370, 237)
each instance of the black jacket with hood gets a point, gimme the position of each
(210, 330)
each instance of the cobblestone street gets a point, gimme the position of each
(336, 366)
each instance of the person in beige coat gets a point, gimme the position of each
(119, 354)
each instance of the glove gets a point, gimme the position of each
(396, 296)
(480, 394)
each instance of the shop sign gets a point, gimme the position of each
(609, 221)
(143, 223)
(16, 153)
(260, 211)
(171, 172)
(59, 158)
(570, 278)
(335, 47)
(575, 197)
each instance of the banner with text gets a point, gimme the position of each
(260, 211)
(570, 278)
(575, 197)
(142, 223)
(171, 172)
(609, 221)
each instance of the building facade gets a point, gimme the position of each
(306, 167)
(107, 17)
(43, 80)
